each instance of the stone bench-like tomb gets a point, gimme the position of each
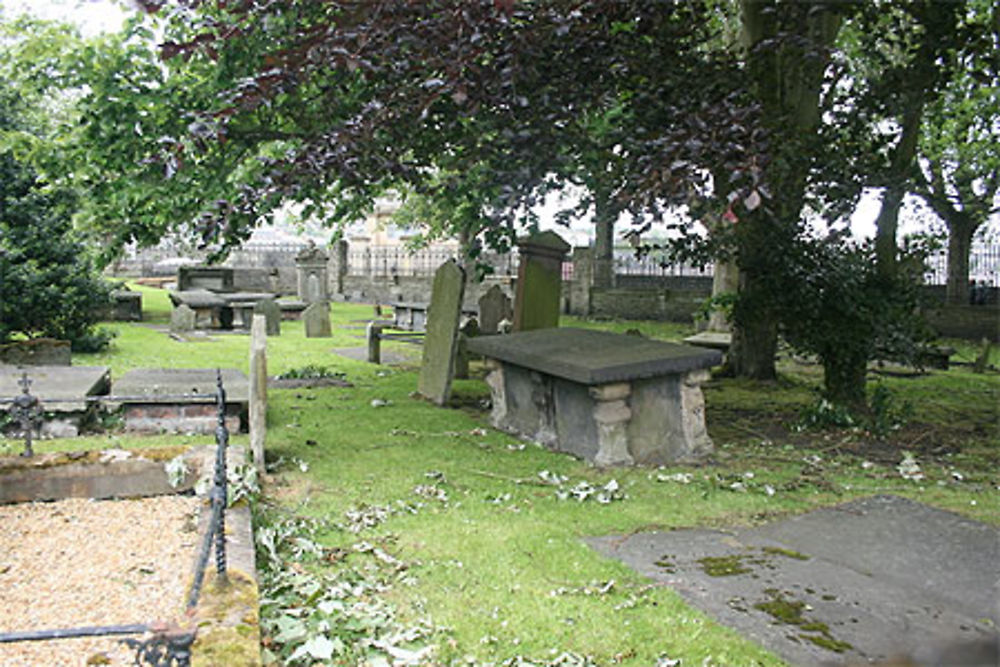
(608, 398)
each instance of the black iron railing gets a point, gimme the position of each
(168, 645)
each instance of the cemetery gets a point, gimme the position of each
(723, 488)
(499, 334)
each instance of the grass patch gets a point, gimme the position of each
(467, 539)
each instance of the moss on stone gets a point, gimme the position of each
(228, 622)
(787, 553)
(724, 566)
(790, 612)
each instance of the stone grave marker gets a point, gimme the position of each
(257, 411)
(441, 340)
(272, 314)
(63, 391)
(494, 307)
(182, 319)
(316, 319)
(539, 281)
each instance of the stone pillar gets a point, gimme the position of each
(498, 392)
(258, 390)
(725, 279)
(697, 444)
(339, 266)
(373, 334)
(539, 281)
(310, 267)
(583, 280)
(612, 415)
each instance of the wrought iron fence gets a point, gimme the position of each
(984, 265)
(168, 645)
(655, 264)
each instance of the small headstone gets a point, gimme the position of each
(317, 320)
(539, 281)
(494, 307)
(182, 319)
(469, 329)
(272, 314)
(441, 339)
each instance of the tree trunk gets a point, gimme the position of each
(903, 158)
(754, 345)
(886, 226)
(844, 380)
(960, 231)
(788, 85)
(604, 244)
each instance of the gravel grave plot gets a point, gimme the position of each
(82, 562)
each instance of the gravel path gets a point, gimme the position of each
(82, 562)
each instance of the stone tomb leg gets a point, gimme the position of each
(607, 398)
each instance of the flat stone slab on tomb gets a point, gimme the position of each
(60, 388)
(715, 340)
(197, 298)
(154, 399)
(876, 578)
(593, 357)
(607, 398)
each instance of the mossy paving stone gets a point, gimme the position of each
(864, 581)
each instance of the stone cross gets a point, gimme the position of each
(441, 340)
(539, 281)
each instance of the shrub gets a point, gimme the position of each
(48, 284)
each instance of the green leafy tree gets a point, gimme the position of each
(959, 149)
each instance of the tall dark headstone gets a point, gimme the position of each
(539, 281)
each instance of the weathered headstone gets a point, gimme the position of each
(310, 267)
(441, 339)
(272, 314)
(182, 319)
(469, 329)
(316, 319)
(494, 306)
(258, 390)
(539, 281)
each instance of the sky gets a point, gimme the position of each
(96, 16)
(93, 16)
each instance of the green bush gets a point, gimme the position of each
(48, 284)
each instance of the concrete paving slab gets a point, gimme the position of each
(865, 581)
(57, 386)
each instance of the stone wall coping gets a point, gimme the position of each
(157, 385)
(593, 357)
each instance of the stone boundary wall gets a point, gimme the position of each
(968, 322)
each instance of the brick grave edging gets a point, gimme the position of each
(227, 618)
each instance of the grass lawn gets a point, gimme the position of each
(388, 525)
